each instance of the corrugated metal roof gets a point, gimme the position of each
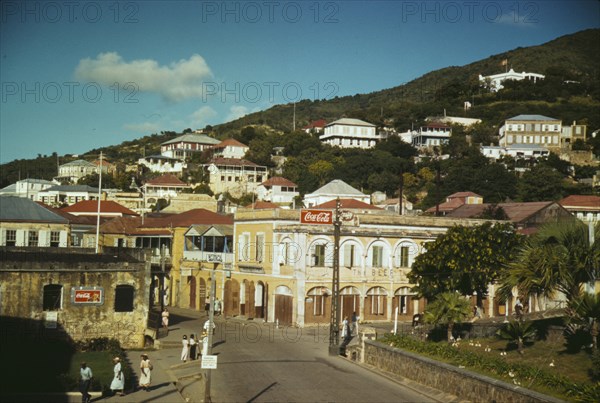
(531, 117)
(337, 187)
(193, 138)
(23, 209)
(350, 122)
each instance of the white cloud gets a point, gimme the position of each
(145, 127)
(176, 82)
(202, 116)
(235, 112)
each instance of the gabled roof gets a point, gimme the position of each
(210, 230)
(531, 117)
(261, 205)
(166, 180)
(79, 163)
(348, 204)
(73, 219)
(39, 181)
(447, 206)
(91, 206)
(278, 181)
(22, 209)
(350, 122)
(338, 187)
(193, 138)
(581, 201)
(463, 194)
(230, 142)
(320, 123)
(516, 212)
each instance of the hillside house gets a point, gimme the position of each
(27, 188)
(540, 130)
(351, 133)
(454, 201)
(163, 187)
(163, 164)
(230, 148)
(72, 171)
(236, 176)
(494, 82)
(585, 207)
(186, 145)
(337, 188)
(277, 190)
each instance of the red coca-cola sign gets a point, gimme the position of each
(310, 216)
(87, 296)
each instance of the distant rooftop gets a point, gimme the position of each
(531, 117)
(193, 138)
(350, 122)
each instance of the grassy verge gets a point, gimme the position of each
(545, 367)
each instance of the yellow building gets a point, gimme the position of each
(283, 269)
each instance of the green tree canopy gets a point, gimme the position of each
(465, 259)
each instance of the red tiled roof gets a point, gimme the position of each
(349, 204)
(578, 201)
(190, 217)
(230, 142)
(261, 205)
(516, 212)
(317, 123)
(170, 180)
(91, 206)
(73, 219)
(278, 181)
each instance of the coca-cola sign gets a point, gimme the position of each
(87, 295)
(310, 216)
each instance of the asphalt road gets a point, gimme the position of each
(260, 363)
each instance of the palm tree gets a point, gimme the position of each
(559, 258)
(447, 309)
(518, 333)
(584, 312)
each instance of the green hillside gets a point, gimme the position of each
(573, 57)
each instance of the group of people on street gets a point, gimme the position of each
(217, 306)
(349, 329)
(189, 349)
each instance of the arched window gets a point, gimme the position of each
(319, 295)
(124, 298)
(52, 299)
(376, 301)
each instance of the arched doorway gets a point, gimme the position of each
(349, 302)
(403, 300)
(260, 299)
(284, 305)
(247, 299)
(376, 304)
(317, 305)
(191, 280)
(231, 304)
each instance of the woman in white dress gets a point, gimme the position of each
(118, 382)
(185, 349)
(146, 373)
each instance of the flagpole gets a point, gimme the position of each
(99, 196)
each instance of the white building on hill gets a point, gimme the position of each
(351, 133)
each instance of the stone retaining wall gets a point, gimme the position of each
(447, 378)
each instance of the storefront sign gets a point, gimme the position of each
(87, 295)
(209, 362)
(310, 216)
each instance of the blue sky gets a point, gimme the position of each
(79, 75)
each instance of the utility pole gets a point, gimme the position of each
(334, 326)
(209, 331)
(400, 191)
(99, 197)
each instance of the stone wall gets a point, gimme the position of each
(23, 276)
(447, 378)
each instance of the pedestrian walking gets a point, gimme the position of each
(146, 372)
(118, 383)
(207, 304)
(85, 380)
(193, 346)
(217, 307)
(345, 328)
(165, 318)
(354, 328)
(185, 348)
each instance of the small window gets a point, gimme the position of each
(11, 237)
(404, 250)
(377, 260)
(52, 299)
(54, 239)
(319, 255)
(124, 298)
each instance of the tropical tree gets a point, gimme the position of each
(448, 309)
(584, 313)
(518, 333)
(558, 258)
(464, 259)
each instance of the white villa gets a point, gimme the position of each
(432, 135)
(351, 133)
(75, 170)
(523, 151)
(236, 176)
(28, 188)
(494, 82)
(277, 190)
(230, 148)
(162, 164)
(337, 188)
(185, 146)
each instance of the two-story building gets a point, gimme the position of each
(283, 268)
(278, 190)
(234, 175)
(186, 145)
(27, 188)
(584, 207)
(541, 131)
(351, 133)
(494, 81)
(72, 171)
(61, 195)
(431, 135)
(163, 187)
(230, 148)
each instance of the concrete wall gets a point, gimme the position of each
(23, 276)
(459, 382)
